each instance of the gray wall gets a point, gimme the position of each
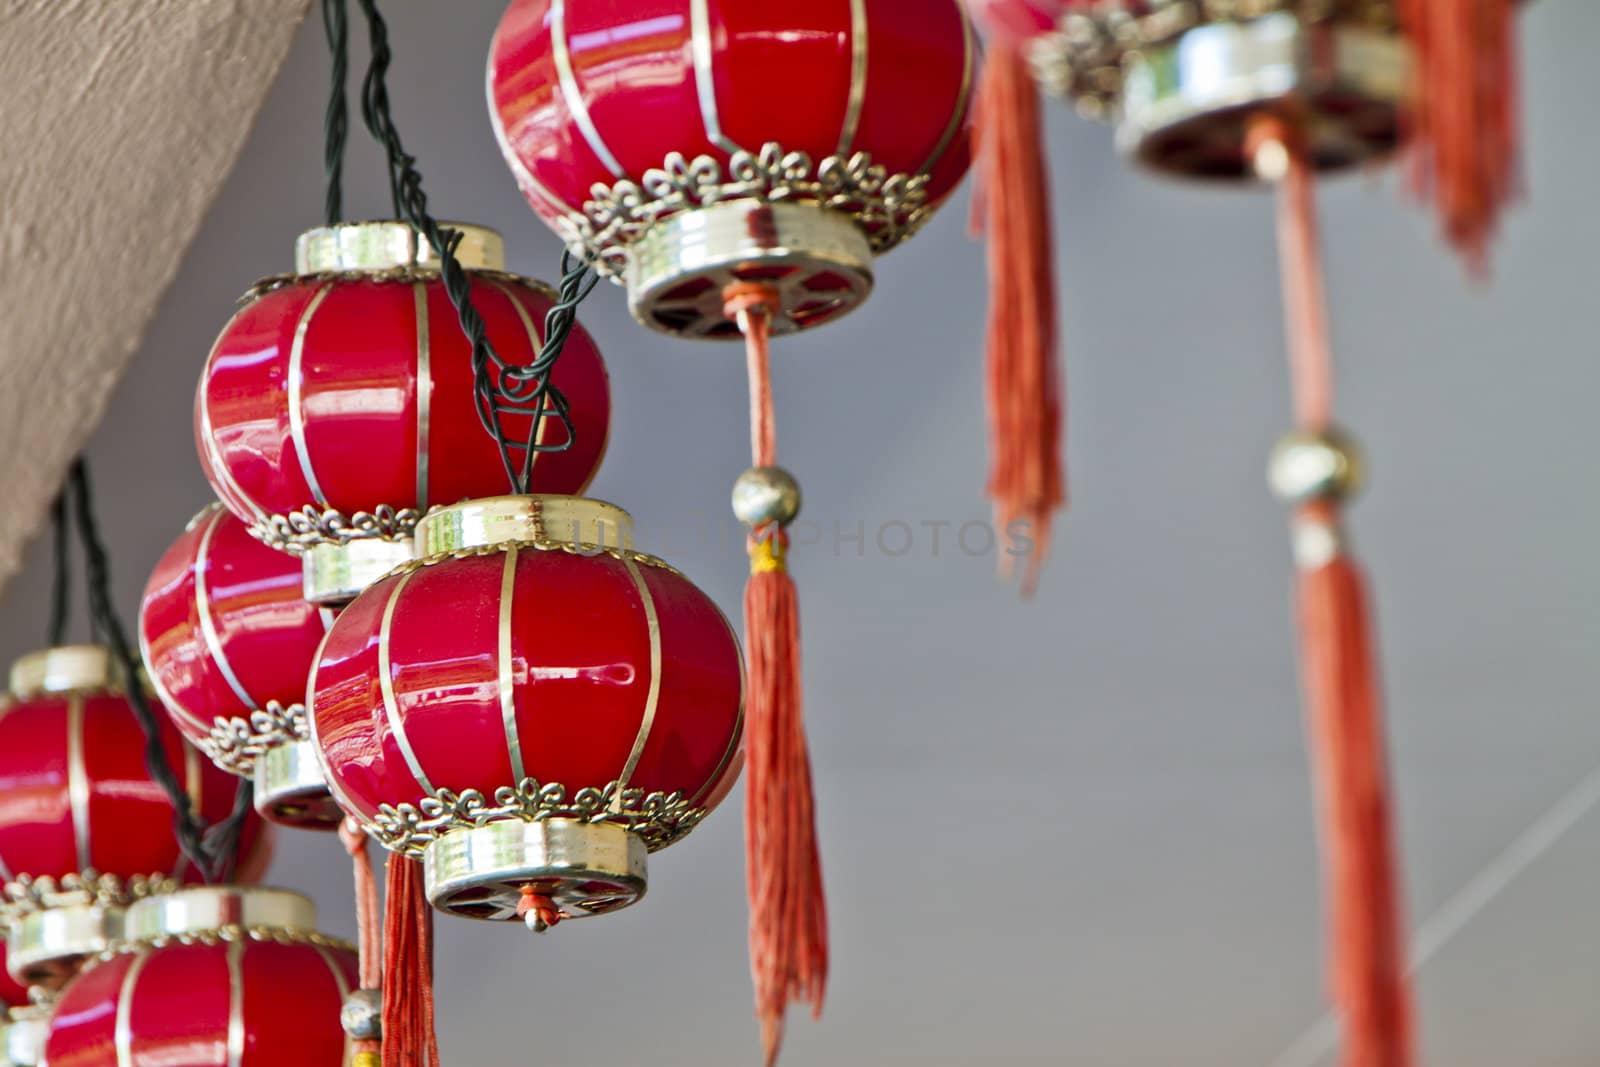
(1075, 830)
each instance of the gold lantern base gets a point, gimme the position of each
(291, 790)
(22, 1035)
(48, 947)
(202, 911)
(332, 575)
(818, 260)
(583, 868)
(1184, 80)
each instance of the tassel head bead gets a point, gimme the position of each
(1311, 466)
(362, 1015)
(763, 496)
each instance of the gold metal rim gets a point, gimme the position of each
(335, 574)
(573, 521)
(584, 868)
(291, 790)
(388, 244)
(47, 948)
(1187, 103)
(818, 261)
(201, 909)
(22, 1036)
(65, 669)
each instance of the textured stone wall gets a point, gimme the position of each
(119, 120)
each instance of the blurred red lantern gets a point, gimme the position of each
(338, 404)
(85, 831)
(228, 640)
(531, 707)
(216, 977)
(787, 144)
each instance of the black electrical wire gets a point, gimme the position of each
(336, 122)
(212, 849)
(61, 587)
(501, 389)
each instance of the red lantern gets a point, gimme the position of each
(228, 640)
(85, 831)
(338, 404)
(220, 977)
(787, 144)
(531, 707)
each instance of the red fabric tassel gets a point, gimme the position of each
(788, 910)
(1367, 950)
(1367, 956)
(1012, 205)
(1465, 108)
(369, 943)
(408, 1034)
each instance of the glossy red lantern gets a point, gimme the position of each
(786, 144)
(84, 830)
(228, 640)
(529, 707)
(338, 404)
(211, 978)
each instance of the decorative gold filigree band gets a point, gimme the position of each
(888, 207)
(658, 818)
(302, 530)
(404, 275)
(235, 744)
(27, 894)
(1083, 59)
(575, 548)
(222, 935)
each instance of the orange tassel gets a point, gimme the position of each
(1465, 107)
(408, 1033)
(369, 944)
(788, 910)
(1012, 205)
(1367, 952)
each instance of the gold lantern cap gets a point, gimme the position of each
(388, 245)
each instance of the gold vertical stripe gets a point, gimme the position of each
(391, 705)
(738, 724)
(959, 115)
(858, 76)
(78, 782)
(561, 50)
(208, 442)
(536, 344)
(297, 414)
(208, 624)
(653, 623)
(338, 792)
(236, 1003)
(123, 1035)
(424, 392)
(508, 703)
(526, 182)
(194, 783)
(6, 874)
(704, 76)
(154, 678)
(343, 985)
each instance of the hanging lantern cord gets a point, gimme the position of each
(61, 587)
(212, 849)
(1316, 469)
(336, 123)
(503, 391)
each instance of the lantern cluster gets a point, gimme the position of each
(213, 977)
(531, 706)
(85, 830)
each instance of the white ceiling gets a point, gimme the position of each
(1076, 830)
